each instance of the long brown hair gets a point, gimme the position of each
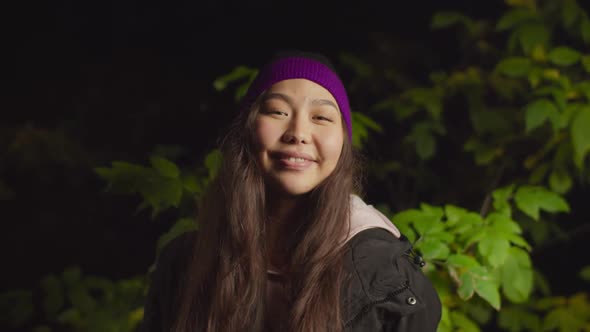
(225, 284)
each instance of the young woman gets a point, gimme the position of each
(284, 243)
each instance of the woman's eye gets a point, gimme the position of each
(277, 112)
(323, 118)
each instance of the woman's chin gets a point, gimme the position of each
(291, 188)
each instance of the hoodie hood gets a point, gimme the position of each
(364, 216)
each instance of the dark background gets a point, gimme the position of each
(116, 79)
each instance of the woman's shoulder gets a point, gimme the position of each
(373, 256)
(387, 287)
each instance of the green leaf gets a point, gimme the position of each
(71, 316)
(428, 98)
(541, 283)
(539, 172)
(432, 249)
(564, 56)
(514, 17)
(514, 66)
(503, 223)
(472, 236)
(581, 135)
(429, 219)
(361, 125)
(518, 241)
(518, 319)
(366, 121)
(560, 181)
(446, 19)
(462, 261)
(468, 222)
(161, 192)
(441, 236)
(180, 227)
(54, 295)
(517, 276)
(71, 276)
(454, 214)
(213, 162)
(165, 167)
(464, 323)
(407, 217)
(241, 90)
(16, 307)
(502, 195)
(491, 121)
(586, 62)
(538, 112)
(81, 299)
(494, 248)
(124, 177)
(430, 210)
(191, 184)
(466, 286)
(479, 311)
(532, 199)
(531, 35)
(557, 93)
(569, 13)
(236, 74)
(584, 88)
(585, 30)
(445, 321)
(564, 319)
(585, 273)
(360, 66)
(484, 155)
(425, 142)
(488, 290)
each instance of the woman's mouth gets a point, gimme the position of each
(295, 164)
(291, 161)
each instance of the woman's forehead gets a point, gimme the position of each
(301, 89)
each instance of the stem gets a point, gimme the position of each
(487, 202)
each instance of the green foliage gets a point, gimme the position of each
(361, 126)
(532, 199)
(16, 307)
(581, 135)
(76, 302)
(240, 73)
(162, 185)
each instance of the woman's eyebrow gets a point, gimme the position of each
(289, 100)
(276, 95)
(320, 102)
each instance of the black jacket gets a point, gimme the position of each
(387, 292)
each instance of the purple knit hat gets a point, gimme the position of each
(299, 66)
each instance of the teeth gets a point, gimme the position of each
(296, 160)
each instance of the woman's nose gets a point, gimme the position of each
(298, 131)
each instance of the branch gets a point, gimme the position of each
(487, 202)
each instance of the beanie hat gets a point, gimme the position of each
(295, 64)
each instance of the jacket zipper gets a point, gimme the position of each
(368, 307)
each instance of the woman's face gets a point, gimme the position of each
(299, 133)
